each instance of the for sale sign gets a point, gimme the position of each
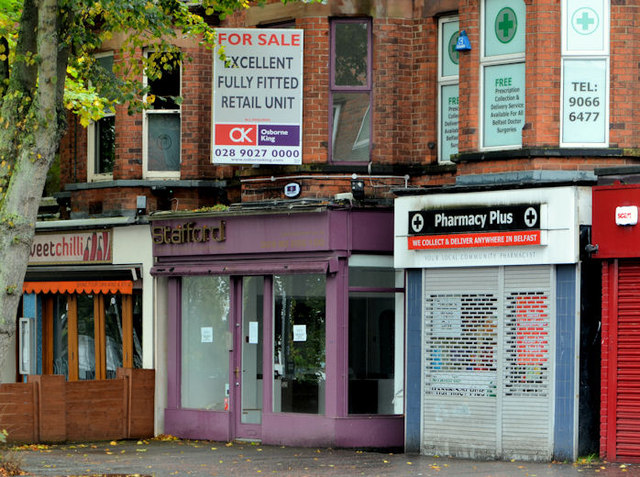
(257, 96)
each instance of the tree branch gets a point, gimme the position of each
(4, 65)
(24, 68)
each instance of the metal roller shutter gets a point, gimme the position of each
(527, 356)
(487, 354)
(628, 362)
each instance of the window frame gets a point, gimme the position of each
(338, 89)
(382, 262)
(153, 174)
(488, 61)
(92, 130)
(444, 81)
(100, 337)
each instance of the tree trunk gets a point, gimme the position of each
(36, 125)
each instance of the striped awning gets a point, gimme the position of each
(112, 286)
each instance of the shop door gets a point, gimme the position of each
(487, 390)
(625, 421)
(248, 367)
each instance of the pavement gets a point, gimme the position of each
(170, 457)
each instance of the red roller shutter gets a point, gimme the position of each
(627, 394)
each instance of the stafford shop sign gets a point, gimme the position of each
(188, 233)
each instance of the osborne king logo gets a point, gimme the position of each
(188, 232)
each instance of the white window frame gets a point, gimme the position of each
(598, 55)
(92, 175)
(486, 62)
(451, 80)
(146, 173)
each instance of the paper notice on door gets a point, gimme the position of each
(299, 332)
(206, 334)
(253, 332)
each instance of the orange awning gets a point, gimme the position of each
(113, 286)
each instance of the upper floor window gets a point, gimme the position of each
(102, 135)
(351, 90)
(448, 88)
(503, 73)
(162, 121)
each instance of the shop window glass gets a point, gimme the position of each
(60, 336)
(86, 340)
(90, 336)
(113, 333)
(252, 310)
(299, 343)
(351, 90)
(137, 331)
(205, 343)
(372, 340)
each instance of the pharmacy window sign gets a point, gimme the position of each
(586, 28)
(585, 102)
(454, 54)
(504, 105)
(504, 27)
(449, 56)
(585, 21)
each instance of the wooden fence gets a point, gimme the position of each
(49, 409)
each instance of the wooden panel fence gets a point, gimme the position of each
(47, 408)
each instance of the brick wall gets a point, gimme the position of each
(624, 95)
(405, 94)
(542, 105)
(393, 92)
(469, 86)
(18, 411)
(315, 141)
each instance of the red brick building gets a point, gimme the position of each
(393, 103)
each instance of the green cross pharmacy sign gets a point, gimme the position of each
(586, 27)
(504, 27)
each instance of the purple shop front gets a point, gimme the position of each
(283, 327)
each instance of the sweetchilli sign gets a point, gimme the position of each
(71, 248)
